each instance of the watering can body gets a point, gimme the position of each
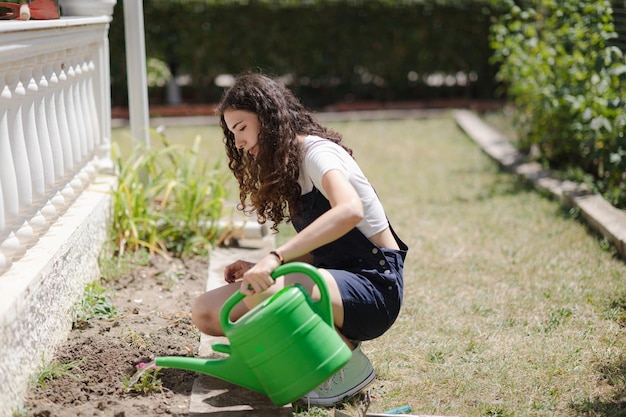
(284, 347)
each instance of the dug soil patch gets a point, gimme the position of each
(154, 303)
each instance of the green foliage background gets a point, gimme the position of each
(333, 50)
(556, 60)
(567, 82)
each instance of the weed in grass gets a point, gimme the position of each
(616, 310)
(436, 357)
(299, 411)
(94, 305)
(605, 244)
(56, 369)
(496, 412)
(556, 317)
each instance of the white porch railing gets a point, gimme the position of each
(54, 123)
(55, 183)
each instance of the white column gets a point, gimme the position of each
(136, 69)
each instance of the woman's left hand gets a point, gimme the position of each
(257, 279)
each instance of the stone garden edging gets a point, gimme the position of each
(599, 214)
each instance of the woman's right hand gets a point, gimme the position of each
(235, 271)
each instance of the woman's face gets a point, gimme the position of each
(244, 126)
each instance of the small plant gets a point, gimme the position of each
(112, 267)
(147, 380)
(136, 339)
(56, 369)
(94, 305)
(309, 412)
(169, 279)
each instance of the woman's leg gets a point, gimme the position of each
(206, 309)
(333, 292)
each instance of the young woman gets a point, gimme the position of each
(292, 169)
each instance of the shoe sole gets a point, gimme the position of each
(330, 401)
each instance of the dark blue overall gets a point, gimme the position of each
(369, 278)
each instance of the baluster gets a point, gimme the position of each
(36, 154)
(45, 129)
(20, 159)
(43, 126)
(57, 79)
(83, 104)
(9, 206)
(29, 123)
(50, 91)
(10, 249)
(8, 177)
(67, 129)
(48, 84)
(4, 262)
(75, 107)
(73, 86)
(70, 113)
(102, 160)
(90, 68)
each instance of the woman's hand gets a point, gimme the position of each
(235, 271)
(258, 279)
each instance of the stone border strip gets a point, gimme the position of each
(601, 216)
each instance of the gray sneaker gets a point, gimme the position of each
(348, 381)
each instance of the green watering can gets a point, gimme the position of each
(283, 348)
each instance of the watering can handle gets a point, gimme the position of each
(324, 307)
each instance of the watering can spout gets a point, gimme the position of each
(227, 369)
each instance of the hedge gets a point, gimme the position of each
(330, 50)
(568, 85)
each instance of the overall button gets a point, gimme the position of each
(382, 262)
(375, 251)
(390, 288)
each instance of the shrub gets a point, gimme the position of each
(167, 201)
(566, 81)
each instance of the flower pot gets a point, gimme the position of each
(87, 7)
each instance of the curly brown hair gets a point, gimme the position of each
(268, 182)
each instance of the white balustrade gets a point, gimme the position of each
(54, 123)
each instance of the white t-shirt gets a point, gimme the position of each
(321, 156)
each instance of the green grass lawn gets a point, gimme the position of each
(512, 306)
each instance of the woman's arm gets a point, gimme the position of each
(345, 213)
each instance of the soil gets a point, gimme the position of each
(154, 304)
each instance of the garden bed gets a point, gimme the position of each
(89, 374)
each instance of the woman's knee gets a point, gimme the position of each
(206, 319)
